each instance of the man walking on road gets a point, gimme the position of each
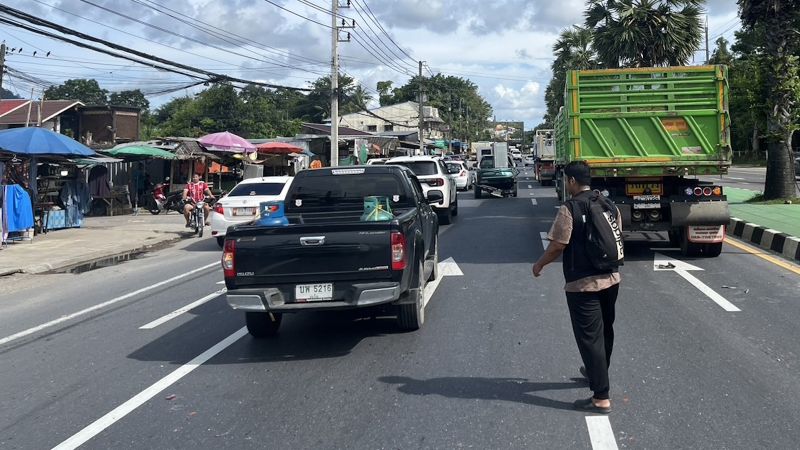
(591, 292)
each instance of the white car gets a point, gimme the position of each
(460, 173)
(241, 203)
(377, 161)
(432, 174)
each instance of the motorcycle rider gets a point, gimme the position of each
(196, 191)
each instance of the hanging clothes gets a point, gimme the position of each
(99, 185)
(17, 210)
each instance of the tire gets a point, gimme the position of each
(446, 217)
(261, 324)
(411, 316)
(712, 250)
(674, 237)
(514, 194)
(689, 248)
(455, 208)
(435, 271)
(221, 242)
(478, 192)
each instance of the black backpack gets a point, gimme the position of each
(604, 243)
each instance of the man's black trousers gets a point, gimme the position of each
(592, 316)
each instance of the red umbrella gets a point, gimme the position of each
(280, 148)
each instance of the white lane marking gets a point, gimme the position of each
(221, 282)
(179, 311)
(533, 201)
(665, 263)
(600, 433)
(737, 178)
(139, 399)
(545, 241)
(447, 268)
(67, 317)
(531, 193)
(558, 206)
(530, 186)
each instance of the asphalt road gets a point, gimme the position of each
(495, 365)
(745, 178)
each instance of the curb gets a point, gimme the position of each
(766, 238)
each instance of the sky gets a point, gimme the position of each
(504, 46)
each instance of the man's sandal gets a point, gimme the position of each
(588, 405)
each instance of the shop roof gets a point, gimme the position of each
(50, 109)
(326, 130)
(10, 105)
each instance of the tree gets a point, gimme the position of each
(384, 92)
(6, 94)
(316, 105)
(779, 19)
(721, 54)
(134, 98)
(645, 33)
(86, 91)
(574, 51)
(459, 103)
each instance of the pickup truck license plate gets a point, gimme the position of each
(313, 292)
(244, 211)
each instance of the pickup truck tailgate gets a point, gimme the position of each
(313, 254)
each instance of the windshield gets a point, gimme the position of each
(346, 190)
(454, 167)
(420, 168)
(247, 189)
(487, 163)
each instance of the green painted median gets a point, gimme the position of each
(784, 218)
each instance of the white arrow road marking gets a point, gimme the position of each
(67, 317)
(600, 433)
(531, 193)
(665, 263)
(545, 241)
(139, 399)
(447, 268)
(182, 310)
(533, 200)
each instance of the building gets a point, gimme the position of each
(96, 126)
(398, 117)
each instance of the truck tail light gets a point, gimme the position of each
(398, 251)
(218, 209)
(229, 258)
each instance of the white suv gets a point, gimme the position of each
(432, 174)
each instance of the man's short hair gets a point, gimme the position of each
(580, 171)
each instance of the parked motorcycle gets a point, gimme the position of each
(160, 199)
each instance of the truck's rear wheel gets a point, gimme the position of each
(712, 250)
(694, 249)
(477, 191)
(411, 316)
(263, 324)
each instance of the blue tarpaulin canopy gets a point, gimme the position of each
(34, 141)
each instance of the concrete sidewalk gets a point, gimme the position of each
(772, 227)
(100, 237)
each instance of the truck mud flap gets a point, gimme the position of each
(702, 213)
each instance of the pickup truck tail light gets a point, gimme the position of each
(398, 251)
(229, 258)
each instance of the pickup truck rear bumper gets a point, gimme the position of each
(345, 297)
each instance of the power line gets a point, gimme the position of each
(378, 47)
(326, 11)
(165, 63)
(377, 22)
(297, 14)
(381, 60)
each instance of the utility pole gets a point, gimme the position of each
(335, 78)
(421, 121)
(707, 57)
(2, 62)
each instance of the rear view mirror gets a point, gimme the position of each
(435, 196)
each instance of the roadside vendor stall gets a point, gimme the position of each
(25, 149)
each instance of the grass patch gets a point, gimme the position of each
(759, 200)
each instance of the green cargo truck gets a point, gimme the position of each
(649, 136)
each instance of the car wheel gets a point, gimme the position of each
(478, 192)
(446, 216)
(262, 324)
(221, 241)
(411, 316)
(455, 208)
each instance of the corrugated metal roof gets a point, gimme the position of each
(9, 105)
(50, 109)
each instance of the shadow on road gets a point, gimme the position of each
(518, 390)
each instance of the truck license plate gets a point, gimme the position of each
(313, 292)
(244, 211)
(647, 202)
(644, 188)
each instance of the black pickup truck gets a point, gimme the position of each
(328, 257)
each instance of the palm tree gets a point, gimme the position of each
(778, 18)
(574, 51)
(645, 33)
